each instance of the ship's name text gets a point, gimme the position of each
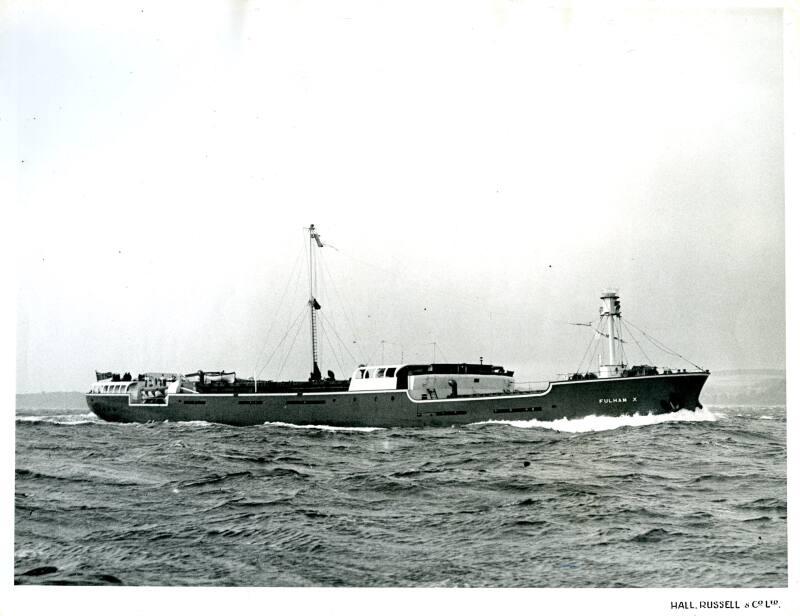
(615, 400)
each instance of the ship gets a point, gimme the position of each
(398, 394)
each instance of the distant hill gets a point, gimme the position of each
(745, 387)
(52, 400)
(752, 372)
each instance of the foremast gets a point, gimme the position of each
(314, 242)
(611, 313)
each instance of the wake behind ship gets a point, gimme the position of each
(402, 394)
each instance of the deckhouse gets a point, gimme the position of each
(434, 381)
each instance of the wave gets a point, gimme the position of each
(91, 418)
(654, 535)
(214, 478)
(95, 478)
(602, 423)
(764, 504)
(281, 424)
(67, 420)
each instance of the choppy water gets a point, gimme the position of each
(679, 500)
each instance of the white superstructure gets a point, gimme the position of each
(434, 381)
(374, 378)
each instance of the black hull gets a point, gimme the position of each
(394, 408)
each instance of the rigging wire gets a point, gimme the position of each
(277, 346)
(308, 256)
(280, 305)
(333, 352)
(595, 352)
(663, 347)
(289, 352)
(630, 331)
(590, 353)
(344, 346)
(302, 253)
(342, 303)
(372, 265)
(592, 342)
(326, 281)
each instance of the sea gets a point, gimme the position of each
(682, 500)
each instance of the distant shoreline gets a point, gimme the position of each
(52, 400)
(750, 371)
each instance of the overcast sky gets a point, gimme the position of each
(484, 170)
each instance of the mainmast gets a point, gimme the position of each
(612, 312)
(313, 304)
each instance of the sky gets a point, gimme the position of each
(480, 171)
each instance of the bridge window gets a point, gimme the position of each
(390, 372)
(366, 374)
(380, 373)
